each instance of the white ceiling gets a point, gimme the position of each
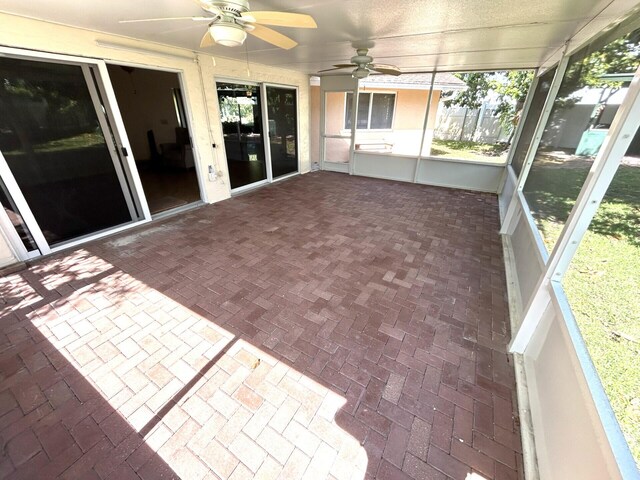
(416, 35)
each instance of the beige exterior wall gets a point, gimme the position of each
(405, 135)
(198, 81)
(409, 111)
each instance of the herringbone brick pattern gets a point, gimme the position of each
(324, 327)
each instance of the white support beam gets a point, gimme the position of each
(425, 126)
(354, 127)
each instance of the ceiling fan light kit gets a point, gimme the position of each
(360, 73)
(231, 20)
(228, 35)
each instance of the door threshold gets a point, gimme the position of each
(249, 188)
(176, 210)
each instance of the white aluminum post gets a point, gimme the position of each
(533, 146)
(266, 134)
(619, 137)
(322, 138)
(425, 126)
(354, 127)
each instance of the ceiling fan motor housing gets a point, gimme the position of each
(232, 7)
(361, 58)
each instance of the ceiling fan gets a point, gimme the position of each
(364, 66)
(231, 20)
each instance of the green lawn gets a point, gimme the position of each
(469, 150)
(603, 282)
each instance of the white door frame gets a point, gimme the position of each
(266, 122)
(186, 102)
(262, 86)
(259, 183)
(106, 129)
(340, 84)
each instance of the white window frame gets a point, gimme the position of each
(369, 129)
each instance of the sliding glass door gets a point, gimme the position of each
(241, 117)
(245, 112)
(282, 119)
(62, 175)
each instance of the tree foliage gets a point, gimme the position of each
(510, 87)
(587, 68)
(478, 85)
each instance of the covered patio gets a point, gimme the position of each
(324, 327)
(225, 253)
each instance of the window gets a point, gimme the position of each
(375, 111)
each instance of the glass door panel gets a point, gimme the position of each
(55, 147)
(161, 144)
(282, 110)
(241, 118)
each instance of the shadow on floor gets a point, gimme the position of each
(376, 307)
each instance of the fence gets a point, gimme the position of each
(477, 125)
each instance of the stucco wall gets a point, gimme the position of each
(409, 110)
(199, 90)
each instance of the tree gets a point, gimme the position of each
(590, 69)
(512, 93)
(511, 88)
(587, 69)
(478, 85)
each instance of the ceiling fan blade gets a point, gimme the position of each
(207, 40)
(195, 19)
(332, 69)
(207, 6)
(281, 19)
(273, 37)
(386, 69)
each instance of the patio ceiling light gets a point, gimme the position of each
(360, 72)
(228, 34)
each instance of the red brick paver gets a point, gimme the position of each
(325, 327)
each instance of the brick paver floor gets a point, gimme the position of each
(325, 327)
